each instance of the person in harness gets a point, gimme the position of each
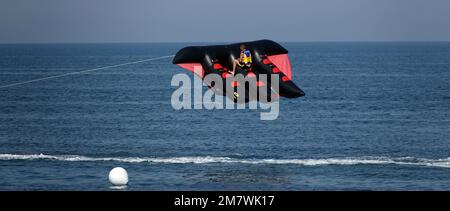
(244, 61)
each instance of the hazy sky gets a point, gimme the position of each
(223, 20)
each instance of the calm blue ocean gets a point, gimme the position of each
(376, 116)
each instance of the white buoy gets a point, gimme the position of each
(118, 176)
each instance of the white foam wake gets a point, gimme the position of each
(368, 160)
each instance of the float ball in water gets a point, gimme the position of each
(118, 176)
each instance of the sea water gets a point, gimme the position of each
(376, 116)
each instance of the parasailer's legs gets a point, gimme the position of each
(235, 63)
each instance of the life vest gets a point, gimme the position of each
(247, 56)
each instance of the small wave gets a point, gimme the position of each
(444, 163)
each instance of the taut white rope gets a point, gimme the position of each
(84, 71)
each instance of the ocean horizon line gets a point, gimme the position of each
(219, 42)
